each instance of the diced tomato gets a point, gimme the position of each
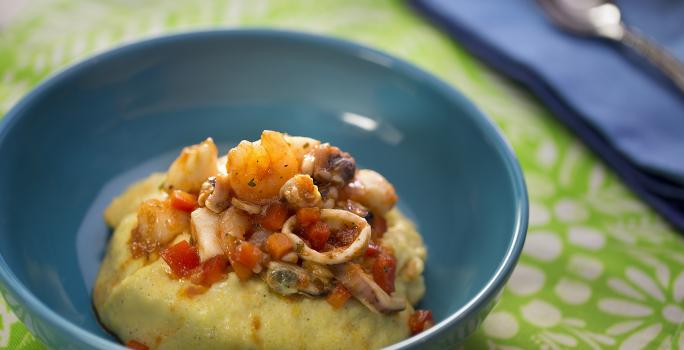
(213, 270)
(136, 345)
(317, 234)
(384, 270)
(308, 216)
(338, 296)
(378, 226)
(372, 250)
(182, 258)
(182, 200)
(278, 245)
(275, 216)
(420, 321)
(243, 272)
(248, 255)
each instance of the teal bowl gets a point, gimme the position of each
(86, 133)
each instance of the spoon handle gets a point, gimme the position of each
(658, 56)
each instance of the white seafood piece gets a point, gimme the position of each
(205, 228)
(246, 206)
(365, 290)
(234, 222)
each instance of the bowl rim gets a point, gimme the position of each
(338, 46)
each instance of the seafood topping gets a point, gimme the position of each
(294, 212)
(332, 165)
(364, 289)
(215, 193)
(287, 279)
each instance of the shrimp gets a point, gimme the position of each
(192, 167)
(301, 145)
(259, 169)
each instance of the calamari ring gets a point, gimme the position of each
(337, 255)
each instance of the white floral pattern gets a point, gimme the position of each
(7, 319)
(646, 305)
(557, 332)
(585, 230)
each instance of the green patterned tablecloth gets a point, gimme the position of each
(599, 269)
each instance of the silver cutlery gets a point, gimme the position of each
(602, 18)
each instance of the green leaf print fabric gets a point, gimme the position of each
(599, 269)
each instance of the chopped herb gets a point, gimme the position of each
(306, 145)
(161, 186)
(251, 183)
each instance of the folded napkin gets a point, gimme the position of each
(631, 116)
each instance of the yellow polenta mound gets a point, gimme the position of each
(138, 299)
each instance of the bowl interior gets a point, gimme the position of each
(83, 137)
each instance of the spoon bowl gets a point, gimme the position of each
(602, 18)
(585, 17)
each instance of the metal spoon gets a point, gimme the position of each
(601, 18)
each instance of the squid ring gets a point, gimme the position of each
(337, 255)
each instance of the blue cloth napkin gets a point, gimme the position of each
(621, 107)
